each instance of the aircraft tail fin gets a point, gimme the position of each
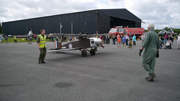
(60, 44)
(56, 44)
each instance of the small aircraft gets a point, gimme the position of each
(163, 31)
(84, 44)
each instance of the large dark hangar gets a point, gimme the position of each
(92, 21)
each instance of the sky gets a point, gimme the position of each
(162, 13)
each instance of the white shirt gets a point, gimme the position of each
(118, 36)
(142, 37)
(127, 37)
(178, 38)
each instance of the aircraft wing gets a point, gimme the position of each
(62, 49)
(76, 35)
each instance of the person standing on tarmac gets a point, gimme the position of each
(151, 45)
(6, 37)
(15, 39)
(41, 41)
(119, 40)
(130, 41)
(134, 40)
(127, 38)
(124, 41)
(114, 39)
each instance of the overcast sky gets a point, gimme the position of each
(163, 13)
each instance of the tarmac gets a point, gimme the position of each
(113, 74)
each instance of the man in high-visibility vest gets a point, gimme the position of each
(41, 41)
(15, 40)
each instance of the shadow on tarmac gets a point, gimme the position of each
(72, 56)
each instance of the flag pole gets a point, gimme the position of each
(60, 28)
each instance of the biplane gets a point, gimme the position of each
(84, 44)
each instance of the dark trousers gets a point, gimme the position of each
(104, 41)
(126, 41)
(42, 54)
(168, 47)
(15, 41)
(107, 41)
(134, 42)
(114, 41)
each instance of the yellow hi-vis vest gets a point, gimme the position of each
(42, 42)
(14, 37)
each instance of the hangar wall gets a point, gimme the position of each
(104, 23)
(137, 24)
(122, 22)
(84, 22)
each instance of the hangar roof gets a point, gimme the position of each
(120, 13)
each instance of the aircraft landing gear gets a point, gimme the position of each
(92, 52)
(84, 53)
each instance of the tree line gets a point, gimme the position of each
(176, 30)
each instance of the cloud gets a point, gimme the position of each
(163, 13)
(160, 12)
(115, 0)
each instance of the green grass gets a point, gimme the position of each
(11, 40)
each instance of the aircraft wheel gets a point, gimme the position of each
(92, 52)
(84, 53)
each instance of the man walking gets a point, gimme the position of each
(41, 41)
(151, 45)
